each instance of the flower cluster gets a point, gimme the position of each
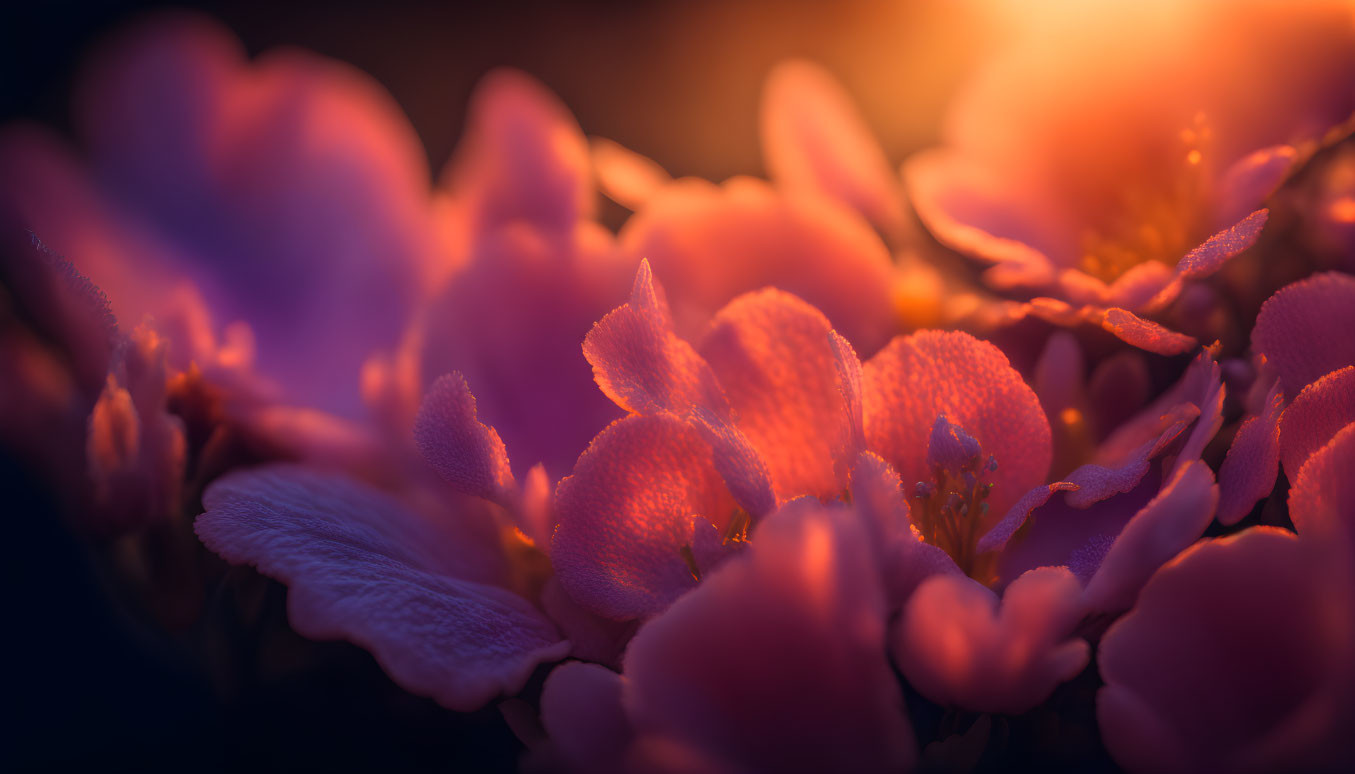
(757, 481)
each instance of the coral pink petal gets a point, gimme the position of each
(815, 140)
(710, 244)
(466, 453)
(777, 661)
(771, 353)
(1162, 529)
(627, 178)
(1230, 662)
(918, 377)
(362, 567)
(581, 710)
(523, 157)
(1314, 416)
(1323, 495)
(1146, 334)
(1211, 256)
(1248, 472)
(1285, 327)
(646, 488)
(960, 647)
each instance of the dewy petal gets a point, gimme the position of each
(960, 648)
(1145, 334)
(581, 710)
(1248, 472)
(645, 488)
(949, 447)
(1251, 180)
(362, 567)
(709, 244)
(1288, 329)
(466, 453)
(1314, 416)
(1323, 495)
(737, 462)
(523, 157)
(814, 139)
(771, 353)
(850, 384)
(1165, 526)
(918, 377)
(777, 662)
(642, 365)
(1231, 661)
(1211, 256)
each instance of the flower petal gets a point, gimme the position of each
(466, 453)
(996, 538)
(645, 488)
(788, 637)
(1251, 180)
(1323, 495)
(1248, 472)
(362, 567)
(627, 178)
(918, 377)
(960, 648)
(1211, 256)
(1285, 325)
(1315, 415)
(1230, 662)
(581, 710)
(1158, 532)
(772, 354)
(814, 140)
(710, 244)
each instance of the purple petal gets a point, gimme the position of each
(1165, 526)
(646, 488)
(362, 567)
(958, 647)
(1322, 500)
(950, 447)
(581, 710)
(737, 462)
(1315, 415)
(1248, 472)
(1286, 326)
(996, 538)
(592, 637)
(1250, 181)
(789, 637)
(466, 453)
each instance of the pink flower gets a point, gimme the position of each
(1137, 146)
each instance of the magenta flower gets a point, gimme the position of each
(1116, 182)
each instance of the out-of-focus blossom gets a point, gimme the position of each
(289, 193)
(1308, 379)
(1121, 171)
(1236, 659)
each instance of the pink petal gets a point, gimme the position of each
(850, 383)
(645, 488)
(771, 352)
(466, 453)
(711, 244)
(1250, 181)
(737, 462)
(1165, 526)
(1139, 285)
(815, 140)
(1211, 256)
(1248, 472)
(1287, 329)
(960, 648)
(362, 567)
(1323, 496)
(511, 321)
(777, 662)
(523, 157)
(642, 365)
(1145, 334)
(1315, 415)
(627, 178)
(592, 637)
(1231, 661)
(918, 377)
(581, 710)
(996, 538)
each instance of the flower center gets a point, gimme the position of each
(950, 510)
(1155, 219)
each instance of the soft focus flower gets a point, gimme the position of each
(1122, 170)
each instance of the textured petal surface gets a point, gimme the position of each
(1316, 414)
(362, 567)
(1248, 472)
(1162, 529)
(1285, 328)
(645, 488)
(918, 377)
(771, 353)
(1323, 496)
(466, 453)
(1229, 662)
(710, 244)
(777, 662)
(1211, 256)
(960, 648)
(813, 139)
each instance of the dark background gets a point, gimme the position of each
(93, 678)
